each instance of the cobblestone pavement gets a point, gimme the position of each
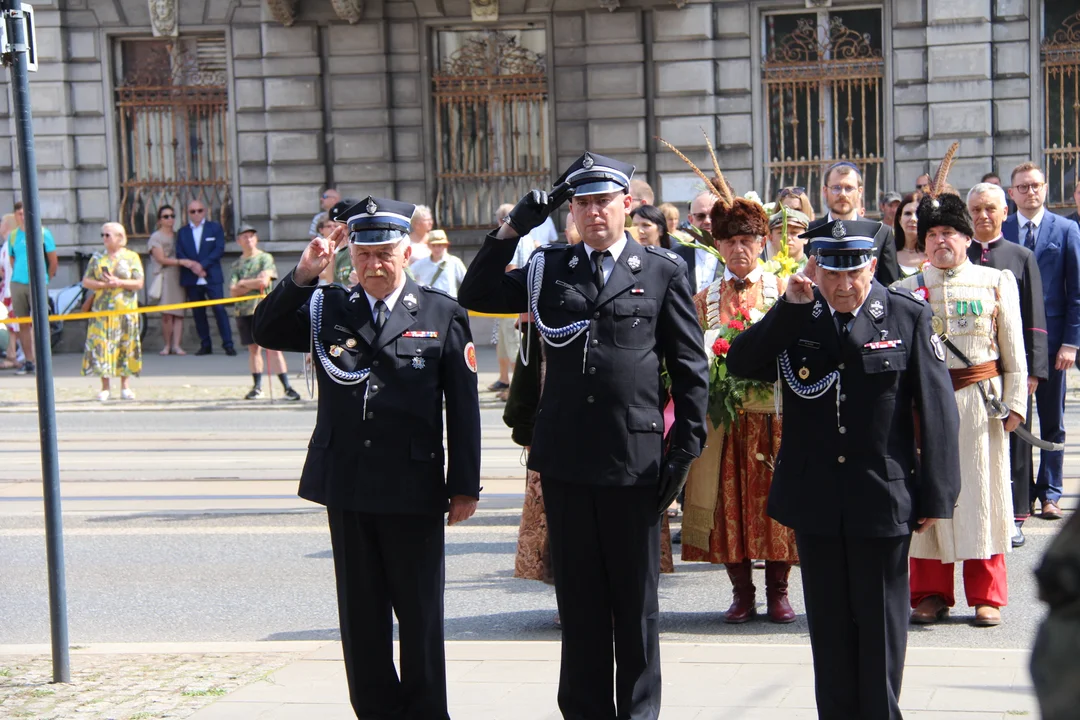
(128, 687)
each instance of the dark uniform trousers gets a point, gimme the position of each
(375, 461)
(857, 598)
(853, 486)
(605, 552)
(598, 445)
(1023, 471)
(386, 565)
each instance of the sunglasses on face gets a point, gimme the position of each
(200, 211)
(167, 216)
(789, 191)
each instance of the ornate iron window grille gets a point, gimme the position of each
(823, 91)
(1061, 111)
(172, 110)
(491, 128)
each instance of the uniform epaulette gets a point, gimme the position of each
(668, 254)
(334, 287)
(436, 291)
(555, 246)
(905, 293)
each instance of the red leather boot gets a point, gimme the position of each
(743, 601)
(776, 576)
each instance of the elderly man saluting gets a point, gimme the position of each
(609, 310)
(854, 358)
(977, 317)
(387, 353)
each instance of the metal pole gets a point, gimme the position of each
(50, 463)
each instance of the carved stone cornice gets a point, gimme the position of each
(351, 11)
(610, 5)
(283, 11)
(163, 21)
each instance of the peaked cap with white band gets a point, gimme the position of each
(843, 244)
(593, 174)
(377, 221)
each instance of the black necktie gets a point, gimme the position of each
(843, 321)
(380, 315)
(598, 263)
(1029, 241)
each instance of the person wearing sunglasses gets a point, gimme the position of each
(1056, 244)
(795, 198)
(844, 196)
(203, 242)
(164, 287)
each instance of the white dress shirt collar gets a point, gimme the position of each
(1037, 220)
(390, 300)
(616, 248)
(751, 277)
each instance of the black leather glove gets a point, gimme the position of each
(673, 476)
(533, 209)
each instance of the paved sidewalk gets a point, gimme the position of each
(210, 382)
(518, 680)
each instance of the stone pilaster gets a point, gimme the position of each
(1015, 141)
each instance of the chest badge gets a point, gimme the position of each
(673, 256)
(353, 297)
(573, 262)
(634, 262)
(418, 363)
(350, 343)
(876, 309)
(804, 372)
(937, 324)
(818, 309)
(335, 351)
(409, 300)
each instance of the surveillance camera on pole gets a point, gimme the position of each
(18, 52)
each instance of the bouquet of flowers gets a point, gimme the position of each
(781, 264)
(727, 392)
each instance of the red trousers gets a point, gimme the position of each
(985, 582)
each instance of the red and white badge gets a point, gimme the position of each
(922, 292)
(470, 356)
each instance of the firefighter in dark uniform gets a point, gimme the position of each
(386, 353)
(609, 311)
(854, 359)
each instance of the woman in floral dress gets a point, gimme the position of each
(724, 517)
(113, 349)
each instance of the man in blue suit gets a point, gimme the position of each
(1055, 241)
(203, 241)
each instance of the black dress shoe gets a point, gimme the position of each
(230, 351)
(204, 351)
(1018, 539)
(676, 537)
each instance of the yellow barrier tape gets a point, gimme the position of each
(139, 310)
(175, 306)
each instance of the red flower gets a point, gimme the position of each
(721, 347)
(737, 325)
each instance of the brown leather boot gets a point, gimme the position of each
(742, 603)
(776, 576)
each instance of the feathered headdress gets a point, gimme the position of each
(730, 215)
(940, 208)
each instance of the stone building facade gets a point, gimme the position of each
(459, 104)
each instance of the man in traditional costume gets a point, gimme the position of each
(977, 318)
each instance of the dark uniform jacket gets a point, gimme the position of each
(888, 269)
(850, 468)
(1004, 255)
(389, 460)
(600, 420)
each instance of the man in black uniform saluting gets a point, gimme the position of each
(609, 311)
(386, 353)
(855, 359)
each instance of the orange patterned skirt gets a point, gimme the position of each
(742, 529)
(533, 560)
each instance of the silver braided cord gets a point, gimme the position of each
(809, 392)
(550, 335)
(341, 377)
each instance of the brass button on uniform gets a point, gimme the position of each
(841, 459)
(592, 371)
(840, 366)
(843, 430)
(590, 399)
(367, 443)
(843, 397)
(887, 364)
(653, 425)
(596, 316)
(594, 343)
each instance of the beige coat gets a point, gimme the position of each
(982, 522)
